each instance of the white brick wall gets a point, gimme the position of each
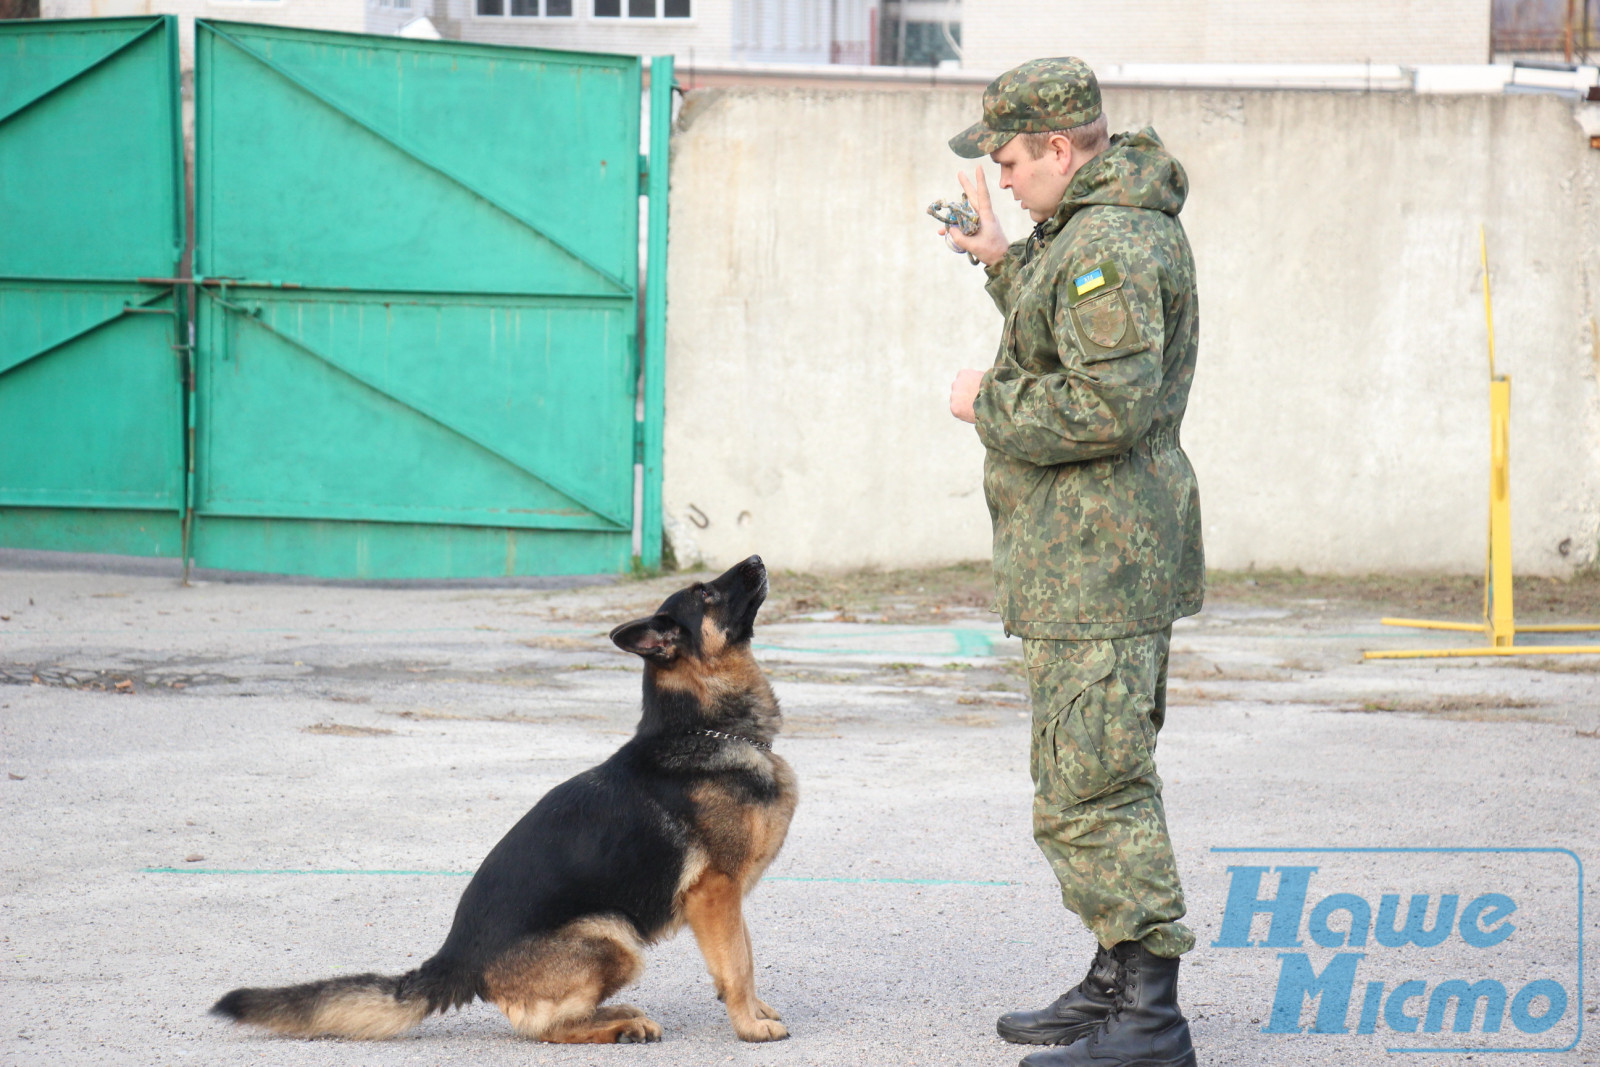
(347, 15)
(998, 34)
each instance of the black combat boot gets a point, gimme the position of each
(1144, 1027)
(1074, 1014)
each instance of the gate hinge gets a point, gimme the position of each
(638, 442)
(644, 174)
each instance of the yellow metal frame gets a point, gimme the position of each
(1498, 624)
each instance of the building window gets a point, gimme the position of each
(927, 44)
(550, 9)
(642, 9)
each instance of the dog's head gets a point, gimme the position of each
(702, 622)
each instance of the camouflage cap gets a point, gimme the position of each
(1039, 96)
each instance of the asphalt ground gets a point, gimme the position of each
(263, 782)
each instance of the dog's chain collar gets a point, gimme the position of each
(763, 745)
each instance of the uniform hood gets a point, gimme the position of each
(1135, 171)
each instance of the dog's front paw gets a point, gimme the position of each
(763, 1010)
(638, 1031)
(761, 1030)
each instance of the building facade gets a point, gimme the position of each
(345, 15)
(983, 36)
(999, 35)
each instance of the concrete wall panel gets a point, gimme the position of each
(1339, 420)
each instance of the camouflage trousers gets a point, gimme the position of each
(1097, 814)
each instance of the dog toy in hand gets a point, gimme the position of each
(958, 214)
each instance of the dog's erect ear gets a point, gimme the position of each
(657, 638)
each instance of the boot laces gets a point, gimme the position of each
(1091, 977)
(1123, 997)
(1094, 978)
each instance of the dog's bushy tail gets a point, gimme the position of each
(364, 1006)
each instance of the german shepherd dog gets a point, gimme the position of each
(676, 827)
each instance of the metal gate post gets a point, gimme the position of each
(655, 309)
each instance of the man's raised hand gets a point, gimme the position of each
(989, 243)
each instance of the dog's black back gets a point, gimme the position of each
(600, 842)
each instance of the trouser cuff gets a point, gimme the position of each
(1169, 940)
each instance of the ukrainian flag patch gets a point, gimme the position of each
(1084, 283)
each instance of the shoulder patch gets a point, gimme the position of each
(1105, 275)
(1100, 312)
(1104, 319)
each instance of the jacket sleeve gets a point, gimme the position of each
(1099, 399)
(1002, 277)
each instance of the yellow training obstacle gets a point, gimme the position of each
(1498, 623)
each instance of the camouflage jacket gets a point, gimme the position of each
(1095, 507)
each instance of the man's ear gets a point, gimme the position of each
(656, 638)
(1060, 146)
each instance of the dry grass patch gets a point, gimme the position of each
(1181, 696)
(434, 714)
(813, 676)
(1459, 707)
(1458, 702)
(1416, 596)
(965, 591)
(969, 719)
(340, 729)
(1556, 664)
(562, 642)
(1192, 668)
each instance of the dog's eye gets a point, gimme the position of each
(707, 596)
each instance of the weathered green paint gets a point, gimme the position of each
(347, 549)
(655, 310)
(416, 311)
(118, 531)
(423, 362)
(91, 198)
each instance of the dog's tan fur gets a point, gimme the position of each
(364, 1014)
(550, 987)
(714, 908)
(713, 675)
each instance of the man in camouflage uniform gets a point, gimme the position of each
(1096, 527)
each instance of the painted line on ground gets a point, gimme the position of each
(464, 874)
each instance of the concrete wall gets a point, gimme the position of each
(996, 36)
(1339, 421)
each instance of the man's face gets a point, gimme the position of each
(1037, 184)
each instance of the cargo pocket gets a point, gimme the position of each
(1091, 733)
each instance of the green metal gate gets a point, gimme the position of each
(91, 201)
(417, 298)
